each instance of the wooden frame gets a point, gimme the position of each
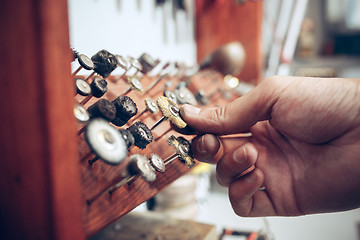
(39, 172)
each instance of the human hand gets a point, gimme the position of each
(304, 144)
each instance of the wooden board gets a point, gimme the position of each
(219, 22)
(39, 174)
(151, 226)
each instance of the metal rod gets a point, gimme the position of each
(154, 83)
(171, 158)
(81, 130)
(121, 183)
(163, 68)
(137, 71)
(126, 91)
(76, 71)
(91, 200)
(125, 178)
(117, 79)
(88, 77)
(91, 161)
(86, 99)
(158, 123)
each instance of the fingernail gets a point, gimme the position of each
(201, 145)
(240, 155)
(251, 152)
(246, 153)
(188, 110)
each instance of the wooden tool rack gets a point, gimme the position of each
(43, 183)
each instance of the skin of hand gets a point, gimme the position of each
(304, 144)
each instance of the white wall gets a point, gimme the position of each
(131, 27)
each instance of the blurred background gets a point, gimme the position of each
(294, 37)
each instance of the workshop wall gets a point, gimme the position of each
(133, 27)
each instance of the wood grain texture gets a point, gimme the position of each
(219, 22)
(39, 178)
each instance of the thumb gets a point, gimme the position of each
(237, 116)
